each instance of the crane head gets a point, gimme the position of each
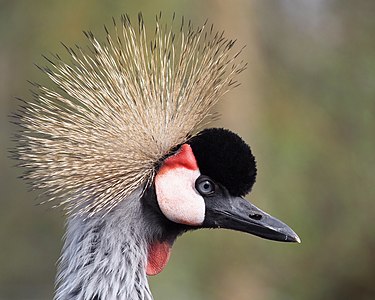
(104, 133)
(202, 185)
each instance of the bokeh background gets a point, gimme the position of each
(306, 106)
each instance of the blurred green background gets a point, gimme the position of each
(306, 106)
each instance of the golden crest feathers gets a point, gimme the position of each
(120, 108)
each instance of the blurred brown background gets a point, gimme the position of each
(306, 106)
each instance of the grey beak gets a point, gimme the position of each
(237, 213)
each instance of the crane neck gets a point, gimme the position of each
(104, 257)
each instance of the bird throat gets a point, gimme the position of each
(158, 257)
(104, 257)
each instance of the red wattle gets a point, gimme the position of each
(158, 256)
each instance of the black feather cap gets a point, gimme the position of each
(226, 158)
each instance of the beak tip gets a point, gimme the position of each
(294, 238)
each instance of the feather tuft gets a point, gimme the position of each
(118, 109)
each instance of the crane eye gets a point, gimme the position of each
(205, 186)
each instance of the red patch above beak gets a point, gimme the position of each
(158, 256)
(184, 158)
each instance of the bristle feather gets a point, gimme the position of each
(120, 108)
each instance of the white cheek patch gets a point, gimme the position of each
(177, 197)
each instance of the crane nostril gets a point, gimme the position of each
(255, 216)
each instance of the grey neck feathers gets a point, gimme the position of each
(104, 257)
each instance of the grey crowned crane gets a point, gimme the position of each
(119, 145)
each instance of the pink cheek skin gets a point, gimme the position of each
(175, 189)
(177, 197)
